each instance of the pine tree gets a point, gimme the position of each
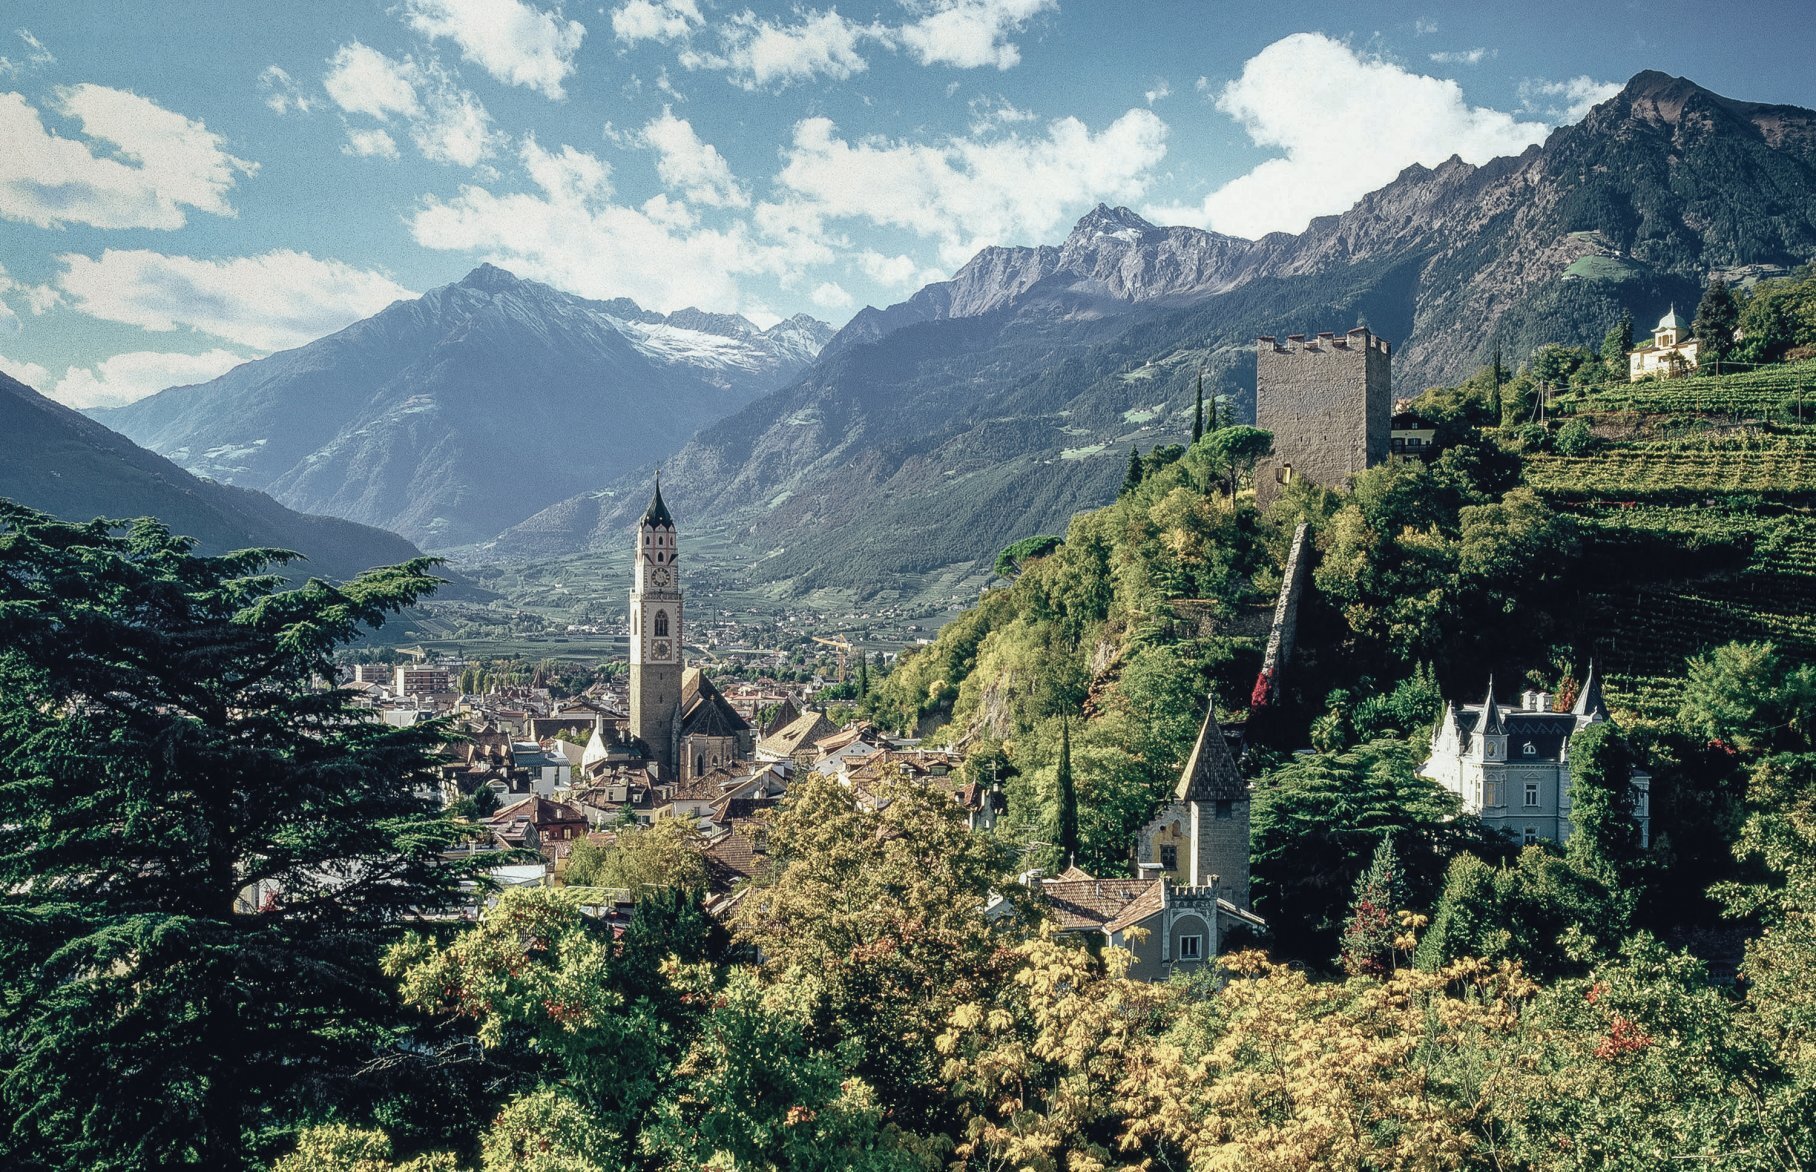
(1717, 317)
(1494, 402)
(1068, 797)
(1373, 925)
(1198, 412)
(204, 849)
(1132, 480)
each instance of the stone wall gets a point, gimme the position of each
(1223, 850)
(1328, 401)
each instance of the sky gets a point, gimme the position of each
(187, 185)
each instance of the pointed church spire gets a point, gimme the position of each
(1491, 714)
(1210, 773)
(1589, 696)
(657, 513)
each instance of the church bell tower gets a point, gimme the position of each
(656, 636)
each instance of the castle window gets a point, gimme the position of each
(1284, 474)
(1169, 858)
(1191, 947)
(1225, 808)
(1532, 793)
(661, 622)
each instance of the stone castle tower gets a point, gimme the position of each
(656, 636)
(1328, 402)
(1201, 837)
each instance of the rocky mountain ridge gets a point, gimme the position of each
(931, 432)
(451, 416)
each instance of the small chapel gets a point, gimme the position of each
(681, 727)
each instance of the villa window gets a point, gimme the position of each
(1530, 836)
(1532, 793)
(1191, 947)
(1169, 858)
(1529, 749)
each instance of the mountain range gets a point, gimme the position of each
(928, 434)
(451, 416)
(932, 432)
(61, 463)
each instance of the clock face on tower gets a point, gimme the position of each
(659, 577)
(659, 649)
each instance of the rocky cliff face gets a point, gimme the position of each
(455, 415)
(984, 408)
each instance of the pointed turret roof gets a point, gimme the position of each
(1210, 773)
(1669, 321)
(657, 513)
(1490, 724)
(1589, 696)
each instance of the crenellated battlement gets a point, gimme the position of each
(1356, 341)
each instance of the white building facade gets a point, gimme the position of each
(1511, 766)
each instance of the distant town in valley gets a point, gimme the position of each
(1316, 670)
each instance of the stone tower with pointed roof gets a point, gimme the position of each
(655, 637)
(1201, 837)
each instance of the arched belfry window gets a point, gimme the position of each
(661, 622)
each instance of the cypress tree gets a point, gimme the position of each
(1717, 317)
(1494, 402)
(1198, 412)
(1068, 796)
(863, 674)
(205, 851)
(1132, 479)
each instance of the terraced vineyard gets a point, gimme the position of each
(1714, 534)
(1757, 394)
(1777, 464)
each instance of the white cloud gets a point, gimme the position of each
(759, 55)
(9, 320)
(29, 373)
(160, 164)
(968, 192)
(895, 272)
(1424, 28)
(447, 123)
(282, 94)
(656, 20)
(1463, 57)
(1160, 90)
(127, 377)
(369, 144)
(515, 42)
(36, 56)
(695, 168)
(831, 295)
(1565, 101)
(361, 80)
(268, 302)
(570, 234)
(971, 34)
(1346, 124)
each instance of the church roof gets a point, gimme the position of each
(704, 711)
(1210, 773)
(804, 730)
(657, 513)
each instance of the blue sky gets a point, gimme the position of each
(187, 185)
